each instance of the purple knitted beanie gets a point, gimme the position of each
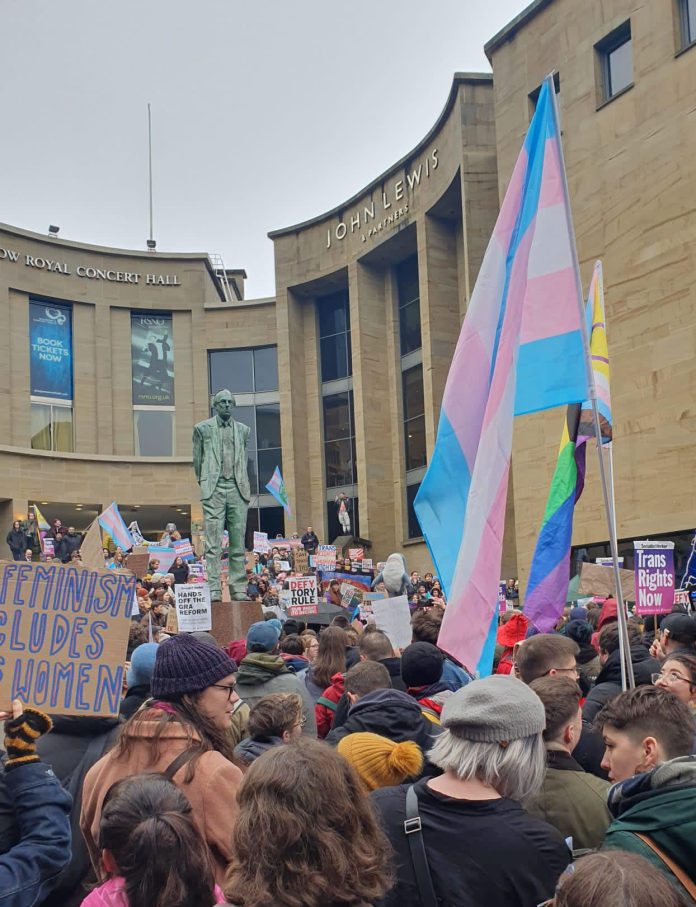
(186, 665)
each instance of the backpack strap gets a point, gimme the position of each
(419, 857)
(327, 703)
(676, 871)
(180, 761)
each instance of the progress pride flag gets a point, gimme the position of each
(654, 568)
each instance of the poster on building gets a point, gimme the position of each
(152, 359)
(50, 350)
(192, 607)
(64, 637)
(303, 590)
(654, 573)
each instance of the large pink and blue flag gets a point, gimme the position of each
(520, 350)
(276, 486)
(112, 523)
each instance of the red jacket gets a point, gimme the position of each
(325, 709)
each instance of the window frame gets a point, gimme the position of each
(604, 48)
(686, 27)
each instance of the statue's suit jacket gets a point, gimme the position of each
(207, 456)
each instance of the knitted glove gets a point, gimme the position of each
(21, 735)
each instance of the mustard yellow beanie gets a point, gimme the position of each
(381, 762)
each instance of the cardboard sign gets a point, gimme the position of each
(301, 560)
(63, 637)
(184, 549)
(393, 616)
(599, 581)
(303, 591)
(356, 554)
(193, 607)
(654, 571)
(172, 625)
(261, 544)
(325, 557)
(138, 563)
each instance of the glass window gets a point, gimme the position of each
(41, 426)
(690, 21)
(334, 315)
(339, 462)
(616, 61)
(407, 280)
(268, 425)
(265, 369)
(335, 362)
(414, 442)
(231, 370)
(409, 305)
(154, 433)
(338, 416)
(51, 427)
(245, 415)
(414, 403)
(268, 460)
(253, 471)
(272, 520)
(620, 68)
(414, 530)
(334, 527)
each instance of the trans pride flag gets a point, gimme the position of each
(548, 576)
(520, 350)
(112, 523)
(276, 486)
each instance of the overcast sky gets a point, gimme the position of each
(265, 113)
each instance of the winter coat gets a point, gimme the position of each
(72, 540)
(589, 667)
(261, 673)
(30, 869)
(608, 683)
(573, 801)
(17, 542)
(454, 676)
(253, 747)
(391, 714)
(310, 542)
(393, 665)
(212, 791)
(325, 709)
(71, 749)
(481, 853)
(134, 698)
(298, 664)
(180, 574)
(113, 894)
(660, 804)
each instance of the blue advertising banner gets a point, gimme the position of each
(50, 350)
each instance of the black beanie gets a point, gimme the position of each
(421, 664)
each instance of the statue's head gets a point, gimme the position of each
(223, 404)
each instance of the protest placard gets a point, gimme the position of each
(285, 543)
(681, 597)
(91, 550)
(325, 557)
(284, 598)
(184, 549)
(193, 607)
(48, 546)
(138, 562)
(172, 624)
(197, 573)
(366, 564)
(608, 561)
(285, 565)
(261, 544)
(356, 554)
(303, 591)
(300, 560)
(654, 577)
(351, 596)
(366, 612)
(326, 577)
(393, 616)
(64, 637)
(595, 580)
(502, 596)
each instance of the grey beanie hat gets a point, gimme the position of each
(496, 709)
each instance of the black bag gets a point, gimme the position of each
(419, 858)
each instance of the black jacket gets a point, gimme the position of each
(310, 542)
(608, 683)
(481, 853)
(134, 698)
(17, 542)
(72, 540)
(390, 713)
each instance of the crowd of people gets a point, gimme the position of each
(320, 766)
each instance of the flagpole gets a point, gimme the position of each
(627, 679)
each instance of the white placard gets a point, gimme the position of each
(393, 616)
(193, 607)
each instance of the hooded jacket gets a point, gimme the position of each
(253, 747)
(391, 714)
(660, 804)
(261, 673)
(325, 709)
(608, 682)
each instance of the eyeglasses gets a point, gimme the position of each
(572, 670)
(230, 689)
(670, 677)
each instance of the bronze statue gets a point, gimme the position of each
(220, 464)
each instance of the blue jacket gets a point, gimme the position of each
(29, 870)
(454, 676)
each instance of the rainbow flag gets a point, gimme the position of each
(41, 521)
(550, 569)
(112, 523)
(520, 350)
(276, 486)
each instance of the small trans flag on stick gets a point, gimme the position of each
(276, 486)
(112, 523)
